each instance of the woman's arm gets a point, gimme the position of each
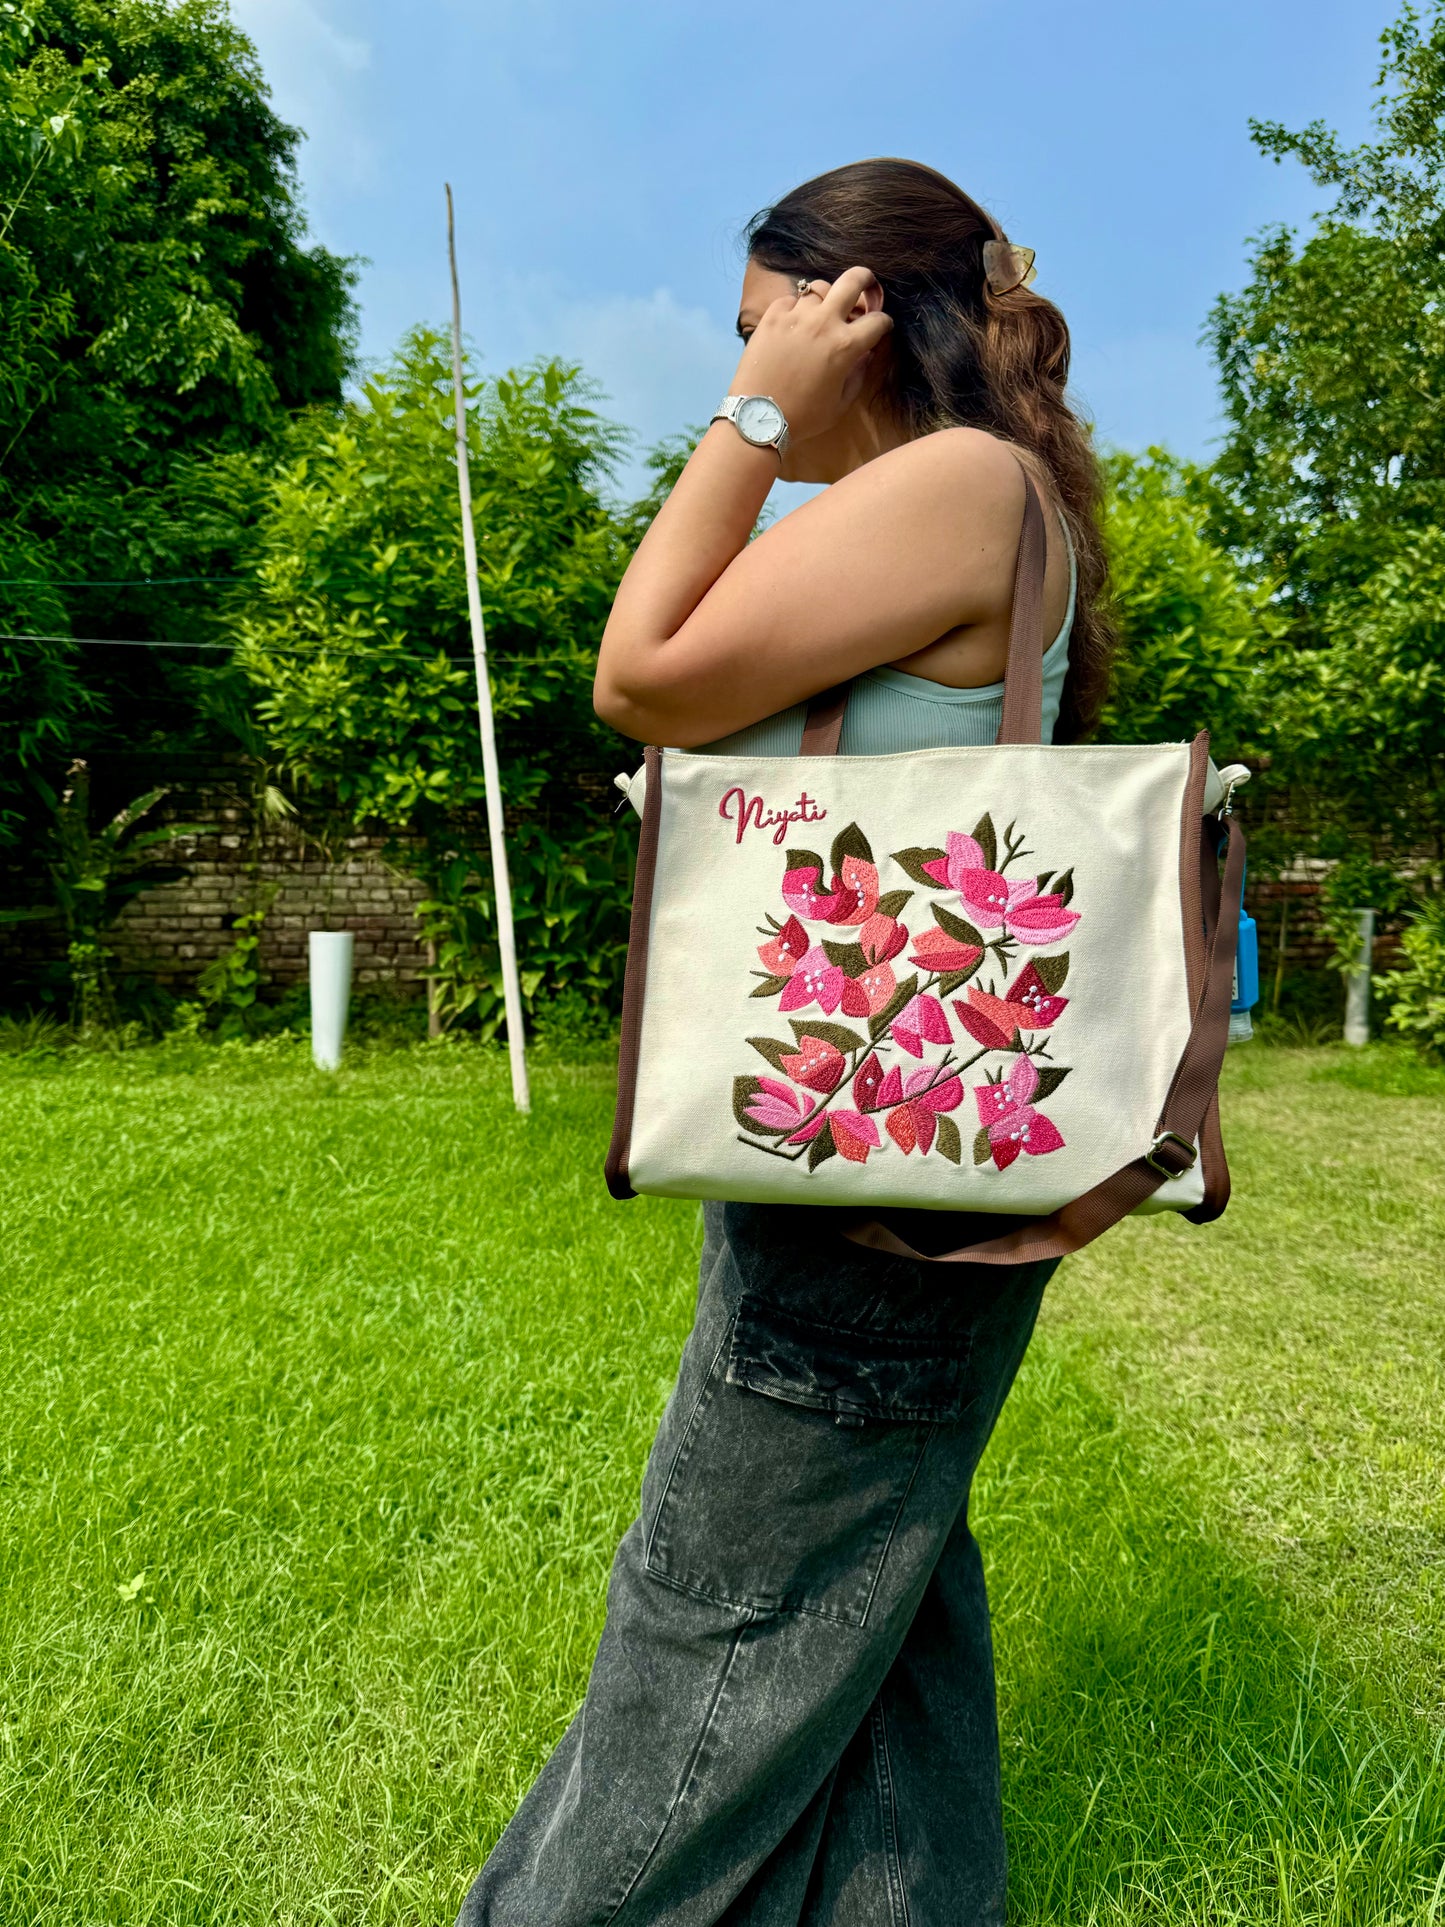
(710, 632)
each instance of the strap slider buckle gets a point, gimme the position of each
(1171, 1155)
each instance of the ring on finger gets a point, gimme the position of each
(805, 286)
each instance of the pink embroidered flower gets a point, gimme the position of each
(1030, 991)
(776, 1106)
(865, 996)
(816, 1064)
(921, 1021)
(935, 950)
(854, 1135)
(994, 1021)
(781, 953)
(1007, 1114)
(882, 937)
(993, 902)
(1035, 919)
(804, 898)
(915, 1122)
(814, 980)
(855, 892)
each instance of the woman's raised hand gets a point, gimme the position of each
(810, 351)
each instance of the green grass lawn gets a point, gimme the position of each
(326, 1399)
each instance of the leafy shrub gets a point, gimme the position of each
(1414, 995)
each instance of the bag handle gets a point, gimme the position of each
(1186, 1107)
(1023, 680)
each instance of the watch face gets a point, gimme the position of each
(758, 419)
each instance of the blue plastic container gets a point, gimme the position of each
(1246, 977)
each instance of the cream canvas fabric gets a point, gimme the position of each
(1007, 966)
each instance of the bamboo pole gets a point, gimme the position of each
(501, 884)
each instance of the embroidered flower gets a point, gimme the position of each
(881, 938)
(776, 1106)
(804, 898)
(866, 995)
(781, 953)
(855, 891)
(854, 1135)
(816, 1064)
(815, 980)
(867, 1081)
(1010, 1122)
(994, 1022)
(921, 1021)
(935, 950)
(993, 902)
(915, 1122)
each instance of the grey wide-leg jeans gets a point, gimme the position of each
(790, 1720)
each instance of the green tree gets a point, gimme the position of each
(1192, 630)
(358, 647)
(160, 316)
(1332, 475)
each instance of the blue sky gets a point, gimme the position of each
(604, 159)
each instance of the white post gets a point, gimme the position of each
(501, 885)
(330, 959)
(1357, 984)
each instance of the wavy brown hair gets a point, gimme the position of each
(961, 353)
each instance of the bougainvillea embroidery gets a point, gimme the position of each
(837, 950)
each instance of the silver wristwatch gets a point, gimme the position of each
(757, 418)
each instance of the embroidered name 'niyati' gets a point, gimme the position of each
(750, 813)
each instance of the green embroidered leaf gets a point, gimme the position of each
(952, 979)
(1041, 880)
(745, 1089)
(1052, 971)
(956, 927)
(850, 842)
(981, 1151)
(838, 1035)
(848, 956)
(892, 901)
(911, 862)
(805, 860)
(774, 1050)
(950, 1144)
(821, 1148)
(769, 987)
(878, 1025)
(1064, 885)
(1050, 1078)
(986, 837)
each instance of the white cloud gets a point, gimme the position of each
(313, 67)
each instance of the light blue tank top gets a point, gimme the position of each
(888, 709)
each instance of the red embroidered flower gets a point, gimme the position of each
(865, 996)
(854, 1135)
(935, 950)
(867, 1081)
(855, 892)
(1007, 1115)
(921, 1021)
(994, 1021)
(882, 937)
(781, 953)
(816, 1064)
(804, 898)
(915, 1122)
(814, 980)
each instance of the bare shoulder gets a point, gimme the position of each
(952, 477)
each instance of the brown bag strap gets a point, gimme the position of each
(1189, 1104)
(1023, 680)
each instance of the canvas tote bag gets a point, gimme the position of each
(981, 980)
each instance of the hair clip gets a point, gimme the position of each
(1006, 267)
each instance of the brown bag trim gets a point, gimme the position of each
(634, 984)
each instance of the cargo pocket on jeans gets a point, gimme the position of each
(796, 1462)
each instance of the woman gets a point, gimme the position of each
(791, 1714)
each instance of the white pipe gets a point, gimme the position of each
(330, 959)
(1357, 984)
(501, 883)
